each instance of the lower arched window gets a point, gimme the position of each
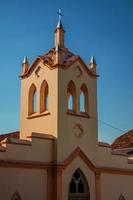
(16, 196)
(78, 188)
(121, 197)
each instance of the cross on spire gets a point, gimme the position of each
(59, 32)
(59, 24)
(59, 14)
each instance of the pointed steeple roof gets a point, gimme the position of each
(59, 32)
(59, 24)
(92, 60)
(25, 60)
(25, 65)
(59, 56)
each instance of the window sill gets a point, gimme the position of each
(82, 114)
(35, 115)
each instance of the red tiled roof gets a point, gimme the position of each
(9, 135)
(124, 141)
(67, 56)
(67, 59)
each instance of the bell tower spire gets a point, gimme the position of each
(59, 32)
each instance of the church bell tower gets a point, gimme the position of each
(59, 98)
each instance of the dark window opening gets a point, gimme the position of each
(80, 187)
(76, 175)
(72, 187)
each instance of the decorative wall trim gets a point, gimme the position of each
(92, 167)
(84, 115)
(41, 136)
(24, 164)
(32, 67)
(36, 115)
(104, 144)
(63, 165)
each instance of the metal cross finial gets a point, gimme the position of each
(59, 14)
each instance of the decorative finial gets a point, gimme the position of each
(25, 60)
(59, 32)
(25, 65)
(59, 14)
(92, 61)
(92, 65)
(59, 25)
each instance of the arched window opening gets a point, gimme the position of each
(84, 99)
(82, 102)
(121, 197)
(16, 196)
(70, 102)
(32, 101)
(35, 102)
(72, 186)
(78, 188)
(44, 97)
(71, 97)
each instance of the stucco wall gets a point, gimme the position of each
(114, 185)
(42, 124)
(39, 150)
(67, 140)
(106, 159)
(30, 184)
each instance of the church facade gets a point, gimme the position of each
(56, 155)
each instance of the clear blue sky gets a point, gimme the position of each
(103, 28)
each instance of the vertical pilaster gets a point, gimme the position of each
(50, 183)
(97, 185)
(57, 183)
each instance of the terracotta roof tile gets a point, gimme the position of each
(124, 141)
(67, 56)
(10, 135)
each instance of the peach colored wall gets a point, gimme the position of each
(114, 185)
(67, 141)
(31, 184)
(42, 124)
(105, 158)
(68, 173)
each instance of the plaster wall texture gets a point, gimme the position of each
(30, 184)
(40, 150)
(114, 185)
(107, 159)
(67, 140)
(44, 124)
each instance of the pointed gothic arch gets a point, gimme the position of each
(78, 187)
(84, 99)
(16, 196)
(121, 197)
(44, 96)
(71, 97)
(32, 100)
